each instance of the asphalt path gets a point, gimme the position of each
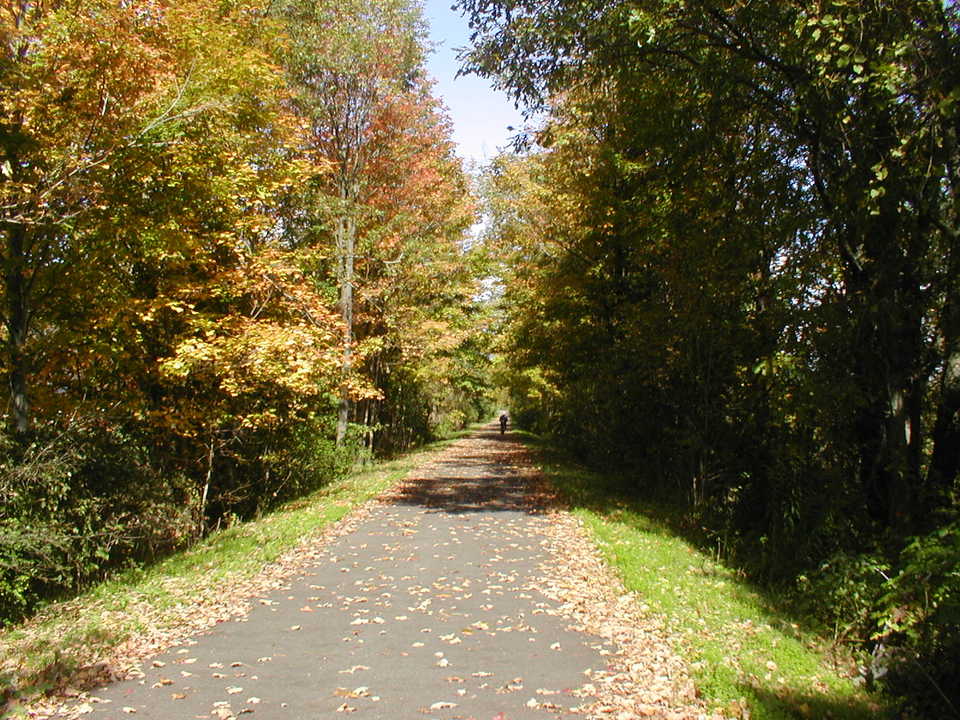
(431, 607)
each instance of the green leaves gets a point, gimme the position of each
(733, 259)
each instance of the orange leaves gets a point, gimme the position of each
(271, 339)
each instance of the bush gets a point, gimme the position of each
(308, 459)
(845, 592)
(919, 625)
(902, 617)
(76, 502)
(80, 501)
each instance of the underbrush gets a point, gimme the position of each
(64, 642)
(750, 654)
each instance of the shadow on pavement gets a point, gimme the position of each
(482, 475)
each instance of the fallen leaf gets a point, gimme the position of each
(354, 669)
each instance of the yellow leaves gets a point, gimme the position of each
(256, 421)
(248, 356)
(360, 388)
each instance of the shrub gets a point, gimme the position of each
(76, 502)
(845, 592)
(919, 625)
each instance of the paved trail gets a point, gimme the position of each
(433, 606)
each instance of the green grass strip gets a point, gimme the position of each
(47, 651)
(748, 657)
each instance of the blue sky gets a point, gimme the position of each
(480, 114)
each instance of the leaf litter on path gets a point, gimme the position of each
(641, 678)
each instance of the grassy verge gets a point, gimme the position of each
(52, 649)
(749, 658)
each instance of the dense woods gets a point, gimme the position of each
(730, 259)
(234, 263)
(232, 242)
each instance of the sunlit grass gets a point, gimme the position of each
(46, 651)
(748, 657)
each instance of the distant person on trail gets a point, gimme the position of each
(503, 423)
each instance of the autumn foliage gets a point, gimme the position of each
(170, 235)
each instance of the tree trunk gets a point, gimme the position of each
(346, 242)
(18, 320)
(942, 475)
(945, 460)
(887, 346)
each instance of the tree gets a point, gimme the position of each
(858, 96)
(98, 97)
(70, 107)
(740, 278)
(345, 60)
(143, 154)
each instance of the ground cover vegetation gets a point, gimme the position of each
(87, 639)
(233, 261)
(730, 263)
(750, 655)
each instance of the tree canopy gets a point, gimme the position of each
(730, 265)
(219, 222)
(234, 240)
